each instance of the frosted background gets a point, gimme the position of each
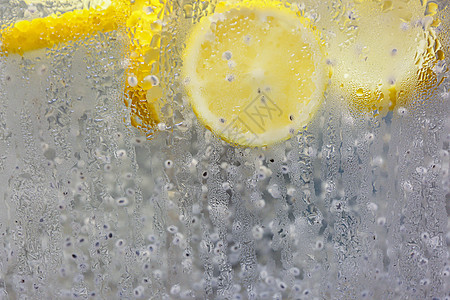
(354, 207)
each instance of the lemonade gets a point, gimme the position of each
(239, 63)
(255, 149)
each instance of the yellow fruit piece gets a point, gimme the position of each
(255, 72)
(46, 32)
(378, 48)
(143, 31)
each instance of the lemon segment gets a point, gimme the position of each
(255, 74)
(143, 28)
(28, 35)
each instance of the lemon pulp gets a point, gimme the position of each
(255, 75)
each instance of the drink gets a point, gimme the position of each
(114, 186)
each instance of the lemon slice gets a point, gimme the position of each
(143, 26)
(255, 73)
(377, 48)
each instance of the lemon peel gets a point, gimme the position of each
(255, 74)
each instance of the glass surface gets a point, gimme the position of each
(100, 199)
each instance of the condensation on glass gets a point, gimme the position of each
(353, 207)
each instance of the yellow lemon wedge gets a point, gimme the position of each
(28, 35)
(379, 50)
(143, 26)
(143, 88)
(254, 72)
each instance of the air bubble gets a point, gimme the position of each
(130, 192)
(291, 191)
(177, 239)
(425, 236)
(152, 248)
(269, 280)
(277, 296)
(148, 9)
(175, 289)
(132, 81)
(138, 291)
(423, 261)
(364, 294)
(229, 78)
(168, 164)
(237, 296)
(421, 170)
(122, 201)
(121, 153)
(372, 206)
(402, 111)
(152, 79)
(260, 203)
(370, 137)
(257, 232)
(172, 229)
(120, 243)
(381, 221)
(274, 191)
(226, 186)
(319, 245)
(294, 271)
(227, 55)
(281, 285)
(235, 248)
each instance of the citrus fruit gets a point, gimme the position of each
(141, 19)
(379, 49)
(255, 72)
(28, 35)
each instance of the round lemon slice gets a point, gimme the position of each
(255, 73)
(378, 49)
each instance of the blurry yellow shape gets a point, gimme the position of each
(143, 27)
(46, 32)
(255, 72)
(381, 50)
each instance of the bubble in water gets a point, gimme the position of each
(402, 111)
(152, 79)
(229, 77)
(175, 289)
(168, 164)
(122, 201)
(227, 55)
(274, 191)
(132, 81)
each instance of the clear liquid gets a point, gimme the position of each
(354, 207)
